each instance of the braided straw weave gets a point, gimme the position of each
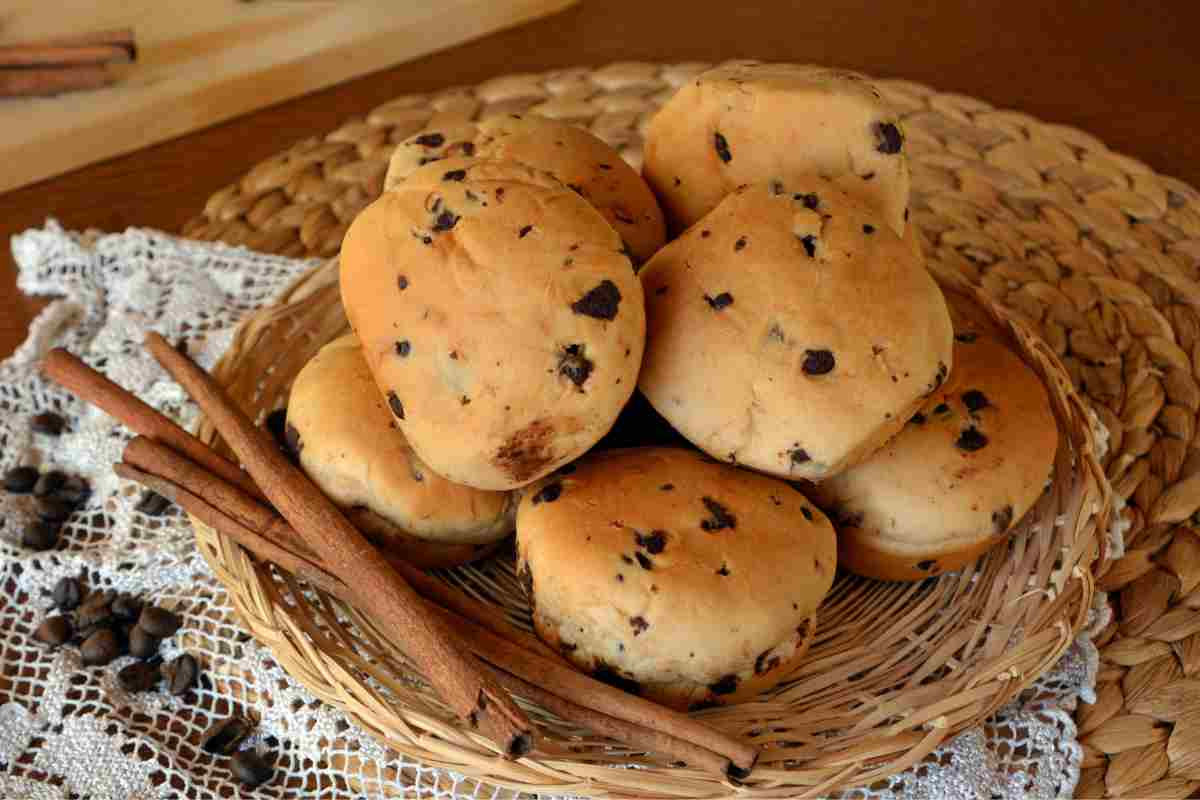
(1091, 249)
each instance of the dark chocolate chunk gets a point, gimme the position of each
(644, 561)
(800, 455)
(49, 483)
(971, 440)
(721, 301)
(100, 648)
(67, 594)
(927, 565)
(967, 337)
(723, 571)
(445, 221)
(726, 685)
(810, 200)
(395, 404)
(48, 423)
(251, 768)
(765, 662)
(600, 302)
(430, 140)
(40, 535)
(655, 541)
(808, 515)
(142, 644)
(574, 365)
(917, 419)
(1002, 518)
(639, 624)
(720, 516)
(181, 674)
(740, 244)
(818, 362)
(455, 175)
(152, 504)
(139, 677)
(548, 493)
(521, 234)
(889, 140)
(20, 480)
(810, 245)
(974, 400)
(468, 149)
(54, 631)
(722, 147)
(403, 348)
(868, 229)
(224, 737)
(158, 622)
(402, 282)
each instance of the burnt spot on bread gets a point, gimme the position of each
(600, 302)
(402, 282)
(818, 362)
(606, 673)
(868, 229)
(719, 517)
(799, 456)
(966, 337)
(809, 242)
(705, 234)
(724, 570)
(740, 244)
(455, 175)
(721, 301)
(928, 565)
(403, 348)
(430, 140)
(527, 451)
(574, 365)
(765, 662)
(395, 405)
(975, 400)
(292, 436)
(524, 231)
(726, 684)
(464, 400)
(722, 147)
(917, 419)
(639, 625)
(655, 541)
(807, 513)
(548, 493)
(1002, 518)
(971, 439)
(888, 139)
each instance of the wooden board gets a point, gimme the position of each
(204, 61)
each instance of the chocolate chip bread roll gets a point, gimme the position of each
(340, 426)
(966, 467)
(584, 163)
(791, 331)
(668, 575)
(754, 123)
(499, 316)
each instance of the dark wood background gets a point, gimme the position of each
(1127, 73)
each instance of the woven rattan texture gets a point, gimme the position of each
(1094, 249)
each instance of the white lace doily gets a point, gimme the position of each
(68, 731)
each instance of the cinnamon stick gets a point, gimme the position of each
(373, 585)
(41, 82)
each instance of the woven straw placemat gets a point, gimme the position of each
(1093, 248)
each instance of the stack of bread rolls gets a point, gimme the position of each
(806, 396)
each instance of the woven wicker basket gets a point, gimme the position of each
(1094, 250)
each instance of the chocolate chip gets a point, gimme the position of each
(224, 737)
(403, 348)
(251, 768)
(971, 440)
(181, 674)
(455, 175)
(48, 423)
(723, 571)
(889, 139)
(1002, 518)
(49, 483)
(810, 245)
(67, 594)
(666, 487)
(54, 631)
(521, 234)
(574, 365)
(810, 200)
(800, 455)
(817, 362)
(638, 624)
(468, 149)
(968, 337)
(138, 677)
(40, 535)
(605, 673)
(643, 561)
(152, 504)
(974, 400)
(926, 566)
(430, 140)
(722, 147)
(765, 662)
(100, 647)
(291, 437)
(126, 608)
(402, 282)
(395, 404)
(158, 622)
(868, 229)
(600, 302)
(740, 244)
(142, 644)
(445, 221)
(917, 419)
(548, 493)
(654, 542)
(721, 301)
(726, 685)
(720, 517)
(20, 480)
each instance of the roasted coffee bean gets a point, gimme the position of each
(126, 608)
(153, 504)
(138, 677)
(100, 648)
(48, 423)
(226, 735)
(40, 536)
(67, 594)
(142, 644)
(49, 483)
(20, 480)
(96, 609)
(158, 622)
(54, 631)
(251, 768)
(75, 492)
(51, 509)
(181, 674)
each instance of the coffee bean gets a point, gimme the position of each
(152, 504)
(181, 674)
(126, 608)
(138, 677)
(142, 644)
(100, 648)
(51, 509)
(96, 609)
(225, 736)
(75, 492)
(40, 536)
(53, 631)
(251, 768)
(20, 480)
(158, 622)
(49, 483)
(48, 423)
(67, 594)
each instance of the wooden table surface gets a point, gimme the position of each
(1126, 73)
